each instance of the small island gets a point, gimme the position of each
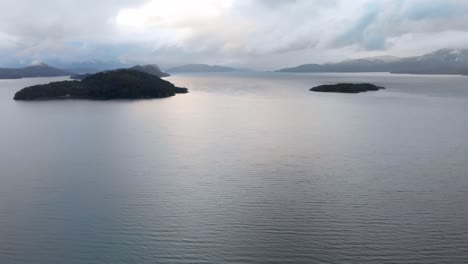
(347, 88)
(118, 84)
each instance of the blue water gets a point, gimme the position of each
(247, 168)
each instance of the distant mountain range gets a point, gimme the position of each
(44, 70)
(202, 68)
(446, 61)
(152, 69)
(35, 70)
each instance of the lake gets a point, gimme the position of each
(247, 168)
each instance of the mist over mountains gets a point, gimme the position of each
(203, 68)
(445, 61)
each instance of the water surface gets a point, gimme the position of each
(247, 168)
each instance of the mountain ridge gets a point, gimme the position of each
(444, 61)
(153, 69)
(37, 69)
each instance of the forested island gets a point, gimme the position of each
(347, 88)
(118, 84)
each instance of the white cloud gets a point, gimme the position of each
(265, 34)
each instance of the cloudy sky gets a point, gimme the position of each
(261, 34)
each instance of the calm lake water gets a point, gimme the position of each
(247, 168)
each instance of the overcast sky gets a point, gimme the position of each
(261, 34)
